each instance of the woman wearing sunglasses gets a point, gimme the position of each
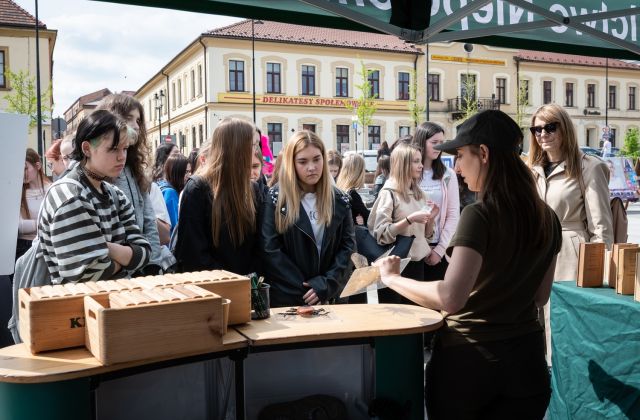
(573, 184)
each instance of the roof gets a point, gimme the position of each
(578, 60)
(310, 35)
(89, 98)
(13, 15)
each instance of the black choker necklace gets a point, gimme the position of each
(94, 175)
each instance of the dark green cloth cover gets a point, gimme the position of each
(596, 354)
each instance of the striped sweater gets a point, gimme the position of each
(77, 222)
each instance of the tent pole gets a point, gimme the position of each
(606, 109)
(428, 98)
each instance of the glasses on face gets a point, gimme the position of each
(536, 130)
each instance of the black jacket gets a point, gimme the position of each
(194, 246)
(358, 207)
(292, 258)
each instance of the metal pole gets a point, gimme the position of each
(38, 100)
(428, 98)
(253, 67)
(606, 108)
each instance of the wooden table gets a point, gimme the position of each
(65, 383)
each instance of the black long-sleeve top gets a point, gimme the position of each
(358, 207)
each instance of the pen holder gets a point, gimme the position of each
(260, 305)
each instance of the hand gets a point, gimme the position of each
(435, 210)
(389, 268)
(433, 258)
(359, 220)
(310, 298)
(420, 216)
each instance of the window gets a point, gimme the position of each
(274, 132)
(374, 83)
(199, 79)
(501, 90)
(173, 95)
(200, 136)
(3, 80)
(546, 92)
(193, 138)
(342, 134)
(236, 76)
(273, 78)
(404, 131)
(193, 85)
(612, 96)
(612, 136)
(468, 87)
(403, 86)
(308, 80)
(179, 92)
(632, 98)
(591, 95)
(568, 94)
(433, 87)
(309, 127)
(342, 82)
(374, 135)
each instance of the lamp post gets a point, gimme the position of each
(253, 63)
(158, 105)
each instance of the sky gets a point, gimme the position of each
(119, 47)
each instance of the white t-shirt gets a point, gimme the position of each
(433, 188)
(606, 148)
(309, 201)
(159, 205)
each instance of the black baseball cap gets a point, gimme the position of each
(491, 127)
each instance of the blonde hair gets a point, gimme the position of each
(352, 173)
(553, 113)
(290, 191)
(401, 161)
(228, 162)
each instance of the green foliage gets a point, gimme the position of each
(365, 105)
(631, 146)
(522, 102)
(469, 105)
(23, 99)
(416, 111)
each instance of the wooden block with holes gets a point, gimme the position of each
(625, 282)
(128, 326)
(590, 264)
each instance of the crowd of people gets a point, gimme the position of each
(110, 213)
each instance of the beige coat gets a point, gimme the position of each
(583, 219)
(384, 214)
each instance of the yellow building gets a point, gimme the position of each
(18, 53)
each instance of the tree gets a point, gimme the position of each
(365, 105)
(631, 147)
(23, 99)
(416, 111)
(469, 102)
(522, 102)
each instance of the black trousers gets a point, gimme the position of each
(498, 380)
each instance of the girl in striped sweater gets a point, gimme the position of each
(87, 228)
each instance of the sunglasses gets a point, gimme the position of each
(536, 130)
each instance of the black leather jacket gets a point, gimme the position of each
(292, 258)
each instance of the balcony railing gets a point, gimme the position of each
(458, 106)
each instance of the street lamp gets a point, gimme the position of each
(158, 105)
(253, 63)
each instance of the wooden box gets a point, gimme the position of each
(52, 317)
(625, 282)
(152, 330)
(636, 289)
(591, 264)
(613, 262)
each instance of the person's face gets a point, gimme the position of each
(256, 139)
(104, 159)
(471, 167)
(187, 174)
(133, 119)
(431, 153)
(256, 167)
(31, 172)
(334, 170)
(416, 165)
(549, 141)
(57, 166)
(309, 164)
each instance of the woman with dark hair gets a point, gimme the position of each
(502, 258)
(383, 150)
(177, 170)
(133, 180)
(218, 226)
(441, 186)
(34, 188)
(87, 229)
(382, 173)
(162, 154)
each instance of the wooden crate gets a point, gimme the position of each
(52, 317)
(145, 331)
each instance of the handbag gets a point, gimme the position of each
(369, 247)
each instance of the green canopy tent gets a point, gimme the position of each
(604, 28)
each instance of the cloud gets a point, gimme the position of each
(120, 47)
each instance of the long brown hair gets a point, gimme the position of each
(553, 113)
(175, 168)
(424, 132)
(33, 158)
(352, 173)
(290, 191)
(121, 105)
(401, 161)
(228, 163)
